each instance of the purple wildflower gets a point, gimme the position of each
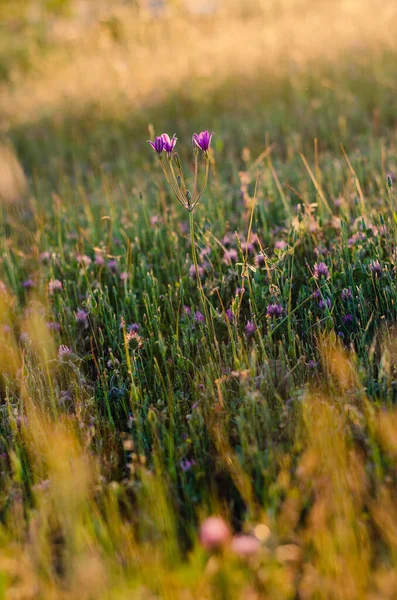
(124, 276)
(203, 140)
(54, 285)
(312, 364)
(230, 315)
(250, 328)
(325, 303)
(83, 259)
(64, 353)
(321, 270)
(274, 310)
(187, 311)
(169, 143)
(230, 256)
(53, 326)
(192, 271)
(158, 144)
(376, 268)
(133, 328)
(29, 283)
(280, 245)
(247, 247)
(113, 266)
(186, 464)
(99, 260)
(82, 318)
(199, 317)
(347, 319)
(346, 294)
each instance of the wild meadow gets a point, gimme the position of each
(198, 337)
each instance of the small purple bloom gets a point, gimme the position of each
(326, 303)
(346, 294)
(169, 143)
(280, 245)
(53, 326)
(274, 310)
(83, 259)
(29, 283)
(230, 256)
(375, 268)
(250, 328)
(203, 140)
(186, 464)
(99, 260)
(187, 311)
(133, 328)
(321, 270)
(54, 285)
(199, 317)
(64, 353)
(82, 318)
(230, 315)
(347, 319)
(113, 266)
(312, 364)
(158, 144)
(192, 271)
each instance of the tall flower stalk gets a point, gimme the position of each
(173, 173)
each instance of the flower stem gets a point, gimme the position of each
(208, 319)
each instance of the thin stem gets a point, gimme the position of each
(170, 183)
(195, 177)
(208, 319)
(207, 168)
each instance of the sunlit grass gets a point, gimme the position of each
(138, 400)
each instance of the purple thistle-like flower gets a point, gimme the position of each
(158, 144)
(113, 266)
(321, 270)
(203, 140)
(186, 464)
(192, 271)
(346, 294)
(229, 315)
(376, 268)
(348, 319)
(274, 310)
(199, 317)
(250, 328)
(54, 286)
(29, 283)
(280, 245)
(312, 364)
(133, 328)
(64, 353)
(82, 318)
(169, 143)
(230, 256)
(326, 303)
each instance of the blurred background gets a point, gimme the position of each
(81, 80)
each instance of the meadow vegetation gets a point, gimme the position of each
(220, 430)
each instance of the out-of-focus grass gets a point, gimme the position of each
(122, 424)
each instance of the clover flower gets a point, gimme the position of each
(321, 270)
(274, 310)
